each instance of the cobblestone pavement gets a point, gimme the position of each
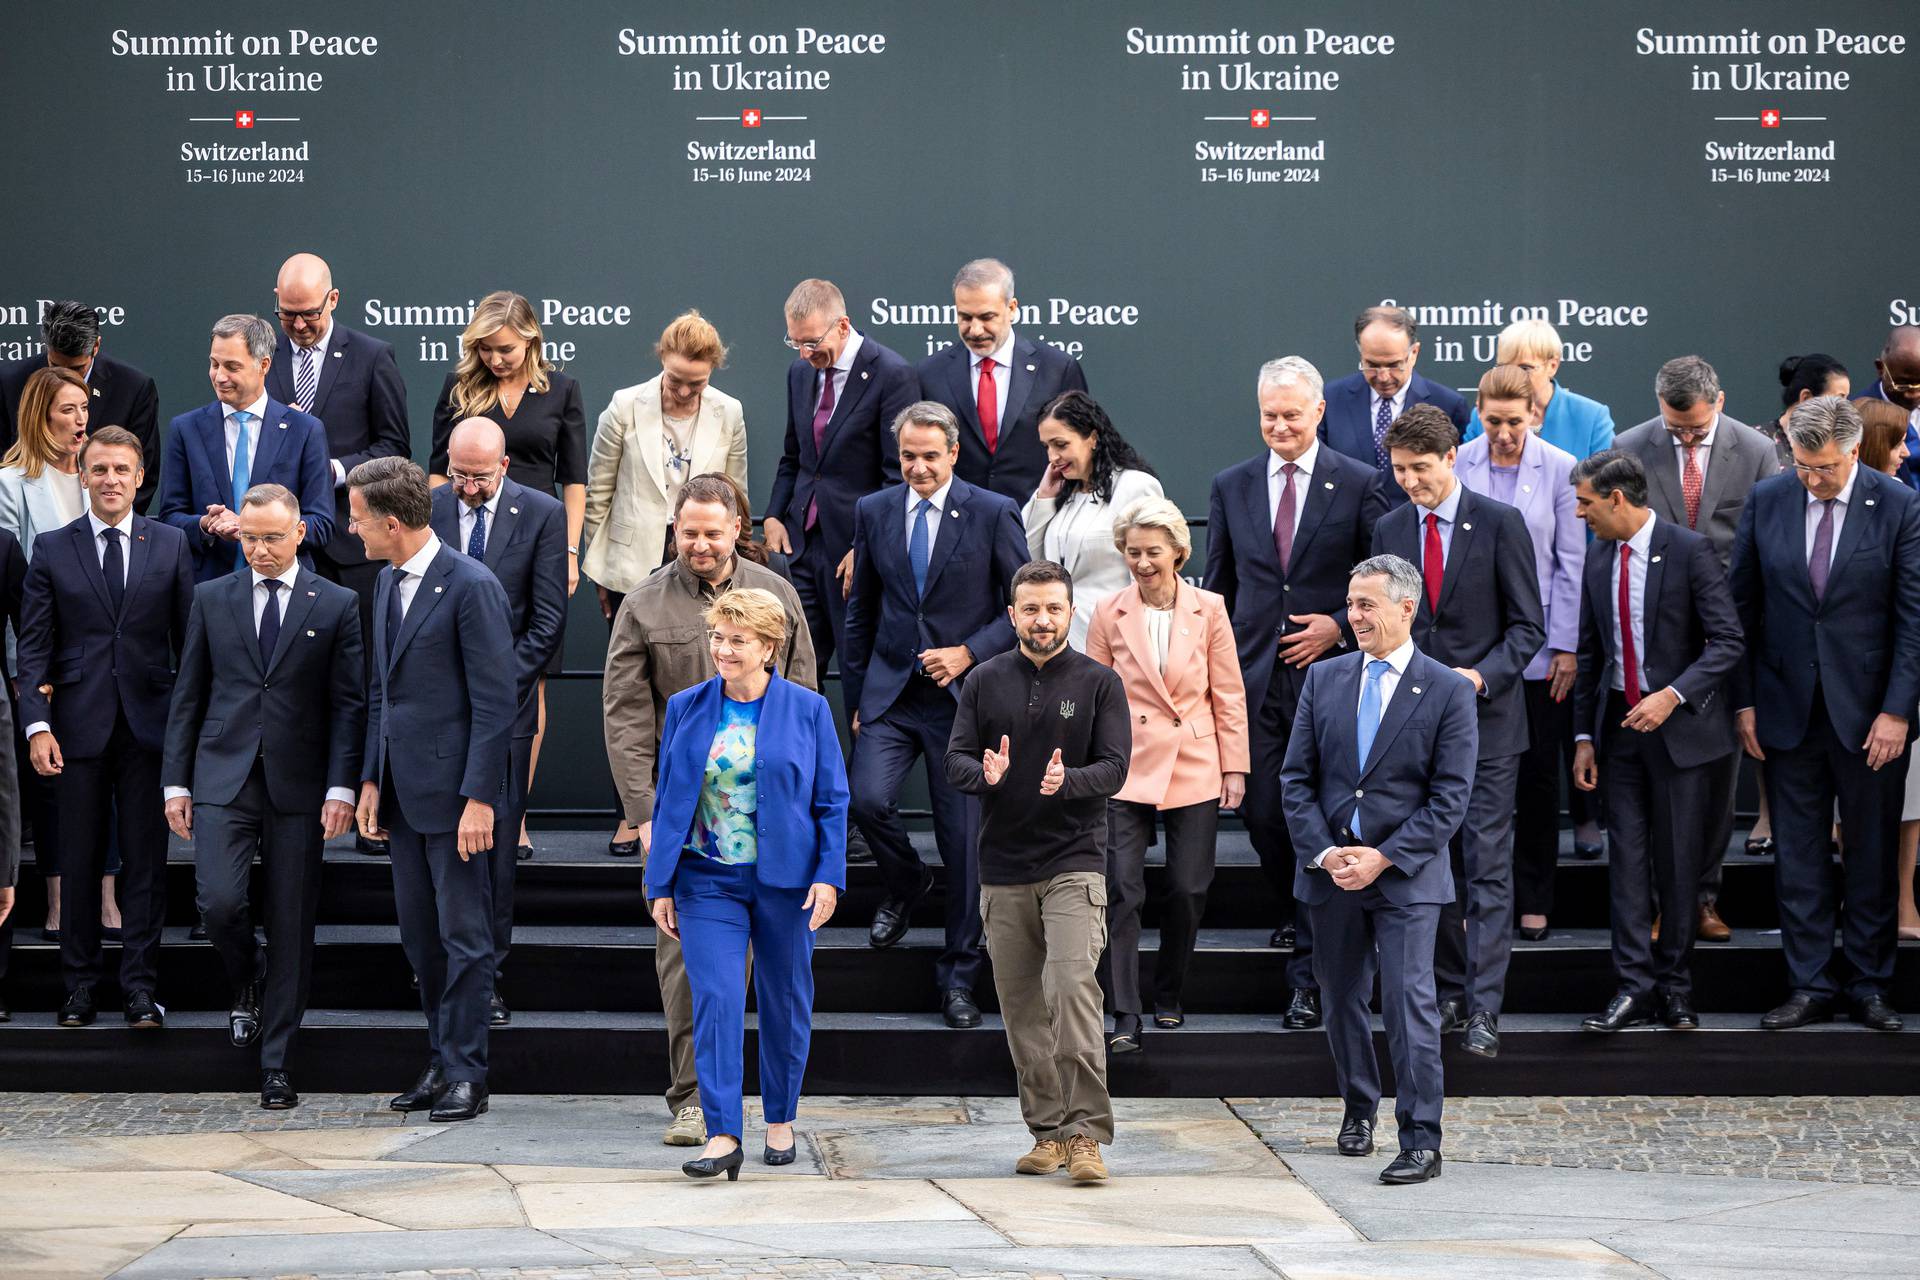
(1810, 1139)
(111, 1115)
(753, 1269)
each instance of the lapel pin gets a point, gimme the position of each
(863, 375)
(1329, 484)
(1029, 370)
(337, 355)
(1466, 528)
(438, 590)
(96, 390)
(955, 513)
(310, 596)
(513, 511)
(1655, 560)
(1526, 488)
(1416, 688)
(309, 635)
(1869, 501)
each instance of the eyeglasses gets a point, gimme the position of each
(1827, 472)
(1890, 383)
(309, 316)
(1386, 366)
(263, 539)
(469, 480)
(811, 345)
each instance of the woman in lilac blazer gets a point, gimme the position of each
(1509, 462)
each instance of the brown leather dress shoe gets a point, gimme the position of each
(1712, 927)
(1047, 1156)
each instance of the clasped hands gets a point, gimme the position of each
(994, 765)
(1355, 866)
(219, 522)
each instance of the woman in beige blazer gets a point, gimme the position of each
(651, 439)
(1173, 646)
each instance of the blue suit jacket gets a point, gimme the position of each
(858, 456)
(527, 552)
(100, 665)
(1573, 423)
(1335, 533)
(1414, 784)
(1038, 373)
(1348, 425)
(292, 452)
(800, 779)
(969, 584)
(442, 702)
(1861, 643)
(363, 404)
(1490, 615)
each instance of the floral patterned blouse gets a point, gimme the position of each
(723, 823)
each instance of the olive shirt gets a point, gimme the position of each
(658, 648)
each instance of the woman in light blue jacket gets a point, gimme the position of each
(1568, 420)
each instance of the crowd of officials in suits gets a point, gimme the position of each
(1419, 620)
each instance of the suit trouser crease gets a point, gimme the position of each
(818, 586)
(1724, 781)
(676, 1002)
(1471, 961)
(1544, 770)
(446, 928)
(503, 862)
(1191, 830)
(119, 786)
(1266, 820)
(1658, 822)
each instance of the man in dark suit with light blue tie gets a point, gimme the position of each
(102, 615)
(521, 535)
(934, 560)
(214, 454)
(1826, 575)
(1362, 405)
(1382, 750)
(843, 393)
(1479, 613)
(439, 716)
(997, 381)
(263, 754)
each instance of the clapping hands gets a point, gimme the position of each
(993, 764)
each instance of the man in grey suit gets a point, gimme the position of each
(1382, 749)
(1701, 465)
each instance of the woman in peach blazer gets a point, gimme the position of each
(1173, 647)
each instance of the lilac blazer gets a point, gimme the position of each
(1543, 494)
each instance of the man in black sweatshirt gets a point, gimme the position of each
(1042, 738)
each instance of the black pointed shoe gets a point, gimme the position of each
(776, 1157)
(1356, 1136)
(957, 1007)
(420, 1098)
(1453, 1012)
(1125, 1036)
(276, 1092)
(1410, 1167)
(1676, 1011)
(498, 1015)
(461, 1100)
(78, 1010)
(243, 1019)
(1800, 1008)
(1482, 1036)
(1621, 1011)
(144, 1012)
(1303, 1010)
(714, 1166)
(890, 921)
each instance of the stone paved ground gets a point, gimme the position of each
(758, 1269)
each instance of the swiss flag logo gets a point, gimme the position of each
(750, 118)
(1260, 118)
(243, 119)
(1769, 119)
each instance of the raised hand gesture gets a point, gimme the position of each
(994, 763)
(1056, 774)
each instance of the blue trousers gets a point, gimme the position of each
(722, 909)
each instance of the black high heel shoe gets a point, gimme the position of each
(775, 1156)
(714, 1166)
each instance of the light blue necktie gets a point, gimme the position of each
(1368, 721)
(242, 476)
(917, 546)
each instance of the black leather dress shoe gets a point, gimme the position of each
(523, 853)
(890, 921)
(959, 1010)
(1800, 1008)
(859, 852)
(1581, 849)
(498, 1015)
(1483, 1035)
(196, 934)
(1283, 938)
(1303, 1010)
(1356, 1136)
(243, 1019)
(1676, 1011)
(276, 1092)
(1125, 1037)
(1621, 1011)
(1410, 1167)
(78, 1010)
(1874, 1012)
(1527, 933)
(462, 1100)
(144, 1012)
(424, 1091)
(624, 848)
(1453, 1012)
(374, 848)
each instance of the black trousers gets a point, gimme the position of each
(445, 906)
(1803, 782)
(1545, 768)
(1721, 782)
(503, 862)
(225, 839)
(36, 807)
(1475, 941)
(1190, 836)
(1266, 821)
(122, 783)
(818, 587)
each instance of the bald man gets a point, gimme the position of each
(1898, 383)
(521, 535)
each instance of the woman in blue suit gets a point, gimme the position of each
(1568, 421)
(749, 846)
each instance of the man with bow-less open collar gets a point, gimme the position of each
(1378, 776)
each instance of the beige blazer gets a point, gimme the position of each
(627, 513)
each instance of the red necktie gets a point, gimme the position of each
(1434, 564)
(1691, 482)
(987, 398)
(1629, 659)
(821, 416)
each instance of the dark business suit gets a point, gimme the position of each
(259, 741)
(439, 716)
(857, 456)
(1036, 374)
(291, 451)
(1491, 621)
(526, 548)
(1658, 785)
(20, 799)
(122, 396)
(1344, 499)
(112, 680)
(1817, 672)
(359, 397)
(1411, 794)
(1348, 425)
(904, 714)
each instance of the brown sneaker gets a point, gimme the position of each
(1712, 927)
(1046, 1157)
(1083, 1159)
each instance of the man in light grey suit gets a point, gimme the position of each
(1378, 773)
(1701, 465)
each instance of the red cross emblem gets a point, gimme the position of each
(750, 119)
(1769, 119)
(243, 119)
(1260, 118)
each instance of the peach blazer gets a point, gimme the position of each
(1190, 724)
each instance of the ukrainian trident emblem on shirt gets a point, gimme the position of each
(1066, 709)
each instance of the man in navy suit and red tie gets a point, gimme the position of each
(996, 382)
(245, 437)
(843, 393)
(1362, 405)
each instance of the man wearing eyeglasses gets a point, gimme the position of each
(843, 393)
(1362, 405)
(1899, 383)
(263, 753)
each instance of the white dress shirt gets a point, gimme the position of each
(100, 551)
(492, 507)
(1448, 509)
(1389, 682)
(839, 371)
(939, 501)
(1702, 452)
(1301, 484)
(1839, 515)
(259, 411)
(413, 570)
(1002, 357)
